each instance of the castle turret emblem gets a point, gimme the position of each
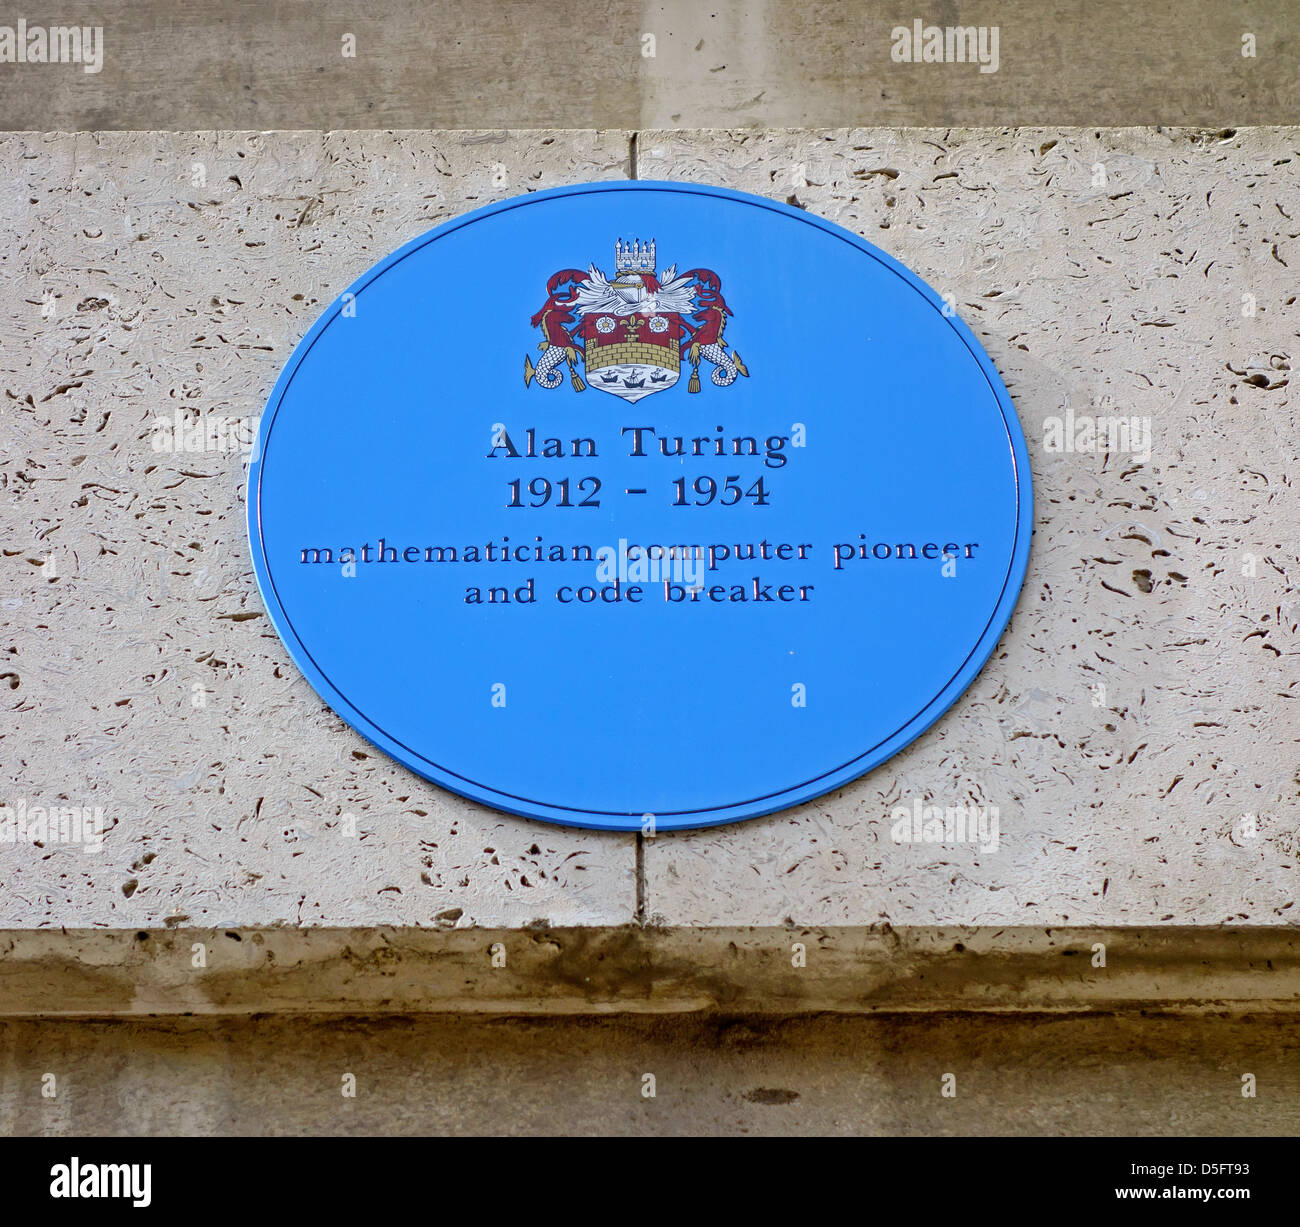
(634, 331)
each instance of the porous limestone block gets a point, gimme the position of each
(1138, 726)
(148, 274)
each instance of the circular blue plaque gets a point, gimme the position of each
(636, 499)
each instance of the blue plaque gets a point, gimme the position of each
(635, 499)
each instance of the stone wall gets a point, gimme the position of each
(1136, 728)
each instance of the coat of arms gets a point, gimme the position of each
(633, 331)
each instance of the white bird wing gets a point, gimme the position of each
(596, 294)
(675, 294)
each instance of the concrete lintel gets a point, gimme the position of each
(569, 971)
(662, 63)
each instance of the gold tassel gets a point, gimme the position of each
(572, 354)
(694, 385)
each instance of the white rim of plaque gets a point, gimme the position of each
(752, 807)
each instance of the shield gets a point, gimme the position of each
(632, 356)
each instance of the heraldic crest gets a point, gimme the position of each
(634, 330)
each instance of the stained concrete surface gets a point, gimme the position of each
(652, 63)
(1140, 706)
(1144, 1077)
(633, 969)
